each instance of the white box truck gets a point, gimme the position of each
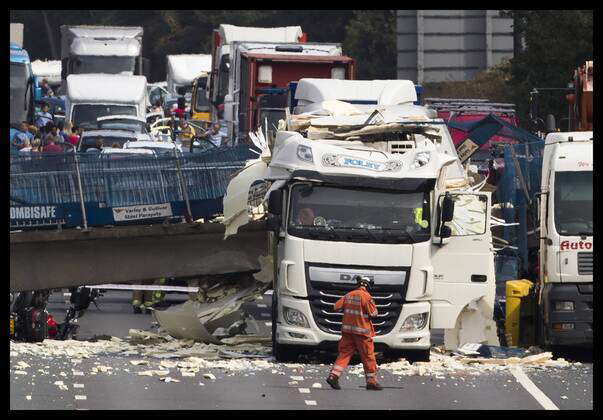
(381, 195)
(182, 69)
(101, 49)
(90, 96)
(566, 240)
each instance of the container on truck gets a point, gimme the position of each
(90, 96)
(49, 70)
(565, 281)
(376, 191)
(101, 49)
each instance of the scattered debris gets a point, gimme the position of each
(316, 385)
(209, 376)
(139, 362)
(168, 379)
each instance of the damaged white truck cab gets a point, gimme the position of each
(381, 194)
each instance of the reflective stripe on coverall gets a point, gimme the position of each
(357, 333)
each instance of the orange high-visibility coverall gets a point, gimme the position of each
(357, 333)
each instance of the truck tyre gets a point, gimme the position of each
(35, 325)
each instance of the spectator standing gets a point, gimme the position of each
(51, 146)
(214, 135)
(22, 138)
(179, 112)
(53, 130)
(43, 117)
(46, 90)
(72, 138)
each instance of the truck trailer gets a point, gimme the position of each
(24, 89)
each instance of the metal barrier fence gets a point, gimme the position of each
(92, 189)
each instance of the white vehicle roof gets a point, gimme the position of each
(231, 33)
(307, 49)
(50, 70)
(558, 137)
(121, 117)
(184, 68)
(109, 133)
(114, 47)
(150, 144)
(110, 32)
(108, 88)
(379, 92)
(115, 150)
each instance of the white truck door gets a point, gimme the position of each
(463, 267)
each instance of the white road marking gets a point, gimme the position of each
(80, 397)
(262, 305)
(310, 402)
(529, 386)
(304, 390)
(269, 292)
(78, 385)
(78, 373)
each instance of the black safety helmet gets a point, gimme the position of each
(363, 281)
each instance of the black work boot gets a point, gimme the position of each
(374, 386)
(333, 381)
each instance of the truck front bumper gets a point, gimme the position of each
(568, 328)
(315, 337)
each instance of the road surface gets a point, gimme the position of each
(285, 387)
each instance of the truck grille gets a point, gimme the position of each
(323, 295)
(585, 263)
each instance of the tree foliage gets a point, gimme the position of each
(556, 42)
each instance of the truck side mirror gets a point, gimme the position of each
(445, 232)
(447, 208)
(273, 223)
(550, 125)
(275, 202)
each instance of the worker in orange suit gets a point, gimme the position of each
(357, 334)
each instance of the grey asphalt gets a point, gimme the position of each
(263, 390)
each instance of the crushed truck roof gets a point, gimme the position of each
(319, 49)
(50, 69)
(107, 32)
(109, 88)
(184, 68)
(231, 33)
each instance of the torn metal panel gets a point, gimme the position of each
(236, 212)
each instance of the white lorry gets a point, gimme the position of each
(566, 240)
(90, 96)
(182, 69)
(378, 194)
(101, 49)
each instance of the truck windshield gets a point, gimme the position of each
(18, 87)
(574, 203)
(273, 116)
(103, 64)
(85, 115)
(122, 124)
(348, 214)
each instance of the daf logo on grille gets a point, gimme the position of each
(350, 277)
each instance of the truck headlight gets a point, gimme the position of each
(415, 322)
(295, 317)
(305, 153)
(421, 159)
(567, 306)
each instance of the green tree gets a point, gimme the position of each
(371, 40)
(556, 42)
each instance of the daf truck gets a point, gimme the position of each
(375, 190)
(566, 240)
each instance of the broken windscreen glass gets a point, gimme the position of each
(335, 213)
